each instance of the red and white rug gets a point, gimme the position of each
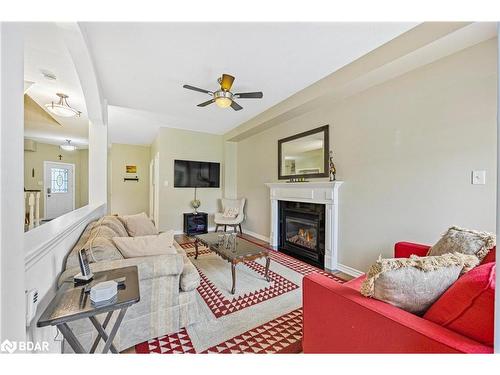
(261, 317)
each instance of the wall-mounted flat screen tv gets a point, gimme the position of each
(188, 173)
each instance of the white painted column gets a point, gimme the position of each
(12, 206)
(76, 42)
(98, 165)
(497, 290)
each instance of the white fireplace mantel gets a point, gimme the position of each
(326, 193)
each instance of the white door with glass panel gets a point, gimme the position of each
(59, 189)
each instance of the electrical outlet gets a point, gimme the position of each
(478, 177)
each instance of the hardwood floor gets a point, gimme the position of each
(183, 238)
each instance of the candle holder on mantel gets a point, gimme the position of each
(297, 179)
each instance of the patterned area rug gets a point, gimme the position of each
(261, 317)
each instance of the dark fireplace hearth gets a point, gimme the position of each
(302, 231)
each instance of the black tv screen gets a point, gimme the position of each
(189, 173)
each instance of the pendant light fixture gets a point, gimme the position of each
(67, 146)
(62, 108)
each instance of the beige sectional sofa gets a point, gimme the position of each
(167, 286)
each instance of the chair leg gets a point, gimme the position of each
(241, 232)
(225, 227)
(216, 227)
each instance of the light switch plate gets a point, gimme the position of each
(478, 177)
(165, 183)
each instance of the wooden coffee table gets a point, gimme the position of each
(244, 251)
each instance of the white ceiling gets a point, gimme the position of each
(142, 67)
(44, 50)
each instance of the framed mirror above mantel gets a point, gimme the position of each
(304, 155)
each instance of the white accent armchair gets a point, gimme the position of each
(232, 214)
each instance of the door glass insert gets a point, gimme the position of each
(58, 180)
(301, 232)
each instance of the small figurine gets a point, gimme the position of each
(332, 168)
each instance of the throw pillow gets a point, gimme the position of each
(414, 284)
(465, 241)
(138, 225)
(141, 246)
(467, 307)
(231, 213)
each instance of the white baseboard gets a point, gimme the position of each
(256, 235)
(349, 270)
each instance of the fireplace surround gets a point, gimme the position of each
(325, 194)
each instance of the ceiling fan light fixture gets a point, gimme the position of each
(223, 99)
(223, 102)
(62, 108)
(67, 146)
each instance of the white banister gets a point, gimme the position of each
(31, 208)
(37, 208)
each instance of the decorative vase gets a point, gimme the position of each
(195, 203)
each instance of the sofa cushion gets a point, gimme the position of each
(467, 307)
(190, 278)
(97, 240)
(414, 284)
(141, 246)
(138, 225)
(465, 241)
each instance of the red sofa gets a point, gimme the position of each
(338, 319)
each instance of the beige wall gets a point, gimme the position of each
(129, 197)
(46, 152)
(185, 145)
(405, 150)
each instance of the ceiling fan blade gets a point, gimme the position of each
(226, 81)
(189, 87)
(236, 106)
(249, 95)
(204, 104)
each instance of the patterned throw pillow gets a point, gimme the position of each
(414, 284)
(231, 213)
(465, 241)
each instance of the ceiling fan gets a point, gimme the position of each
(223, 97)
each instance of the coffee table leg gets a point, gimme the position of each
(196, 249)
(233, 272)
(268, 262)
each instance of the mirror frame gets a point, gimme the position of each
(326, 149)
